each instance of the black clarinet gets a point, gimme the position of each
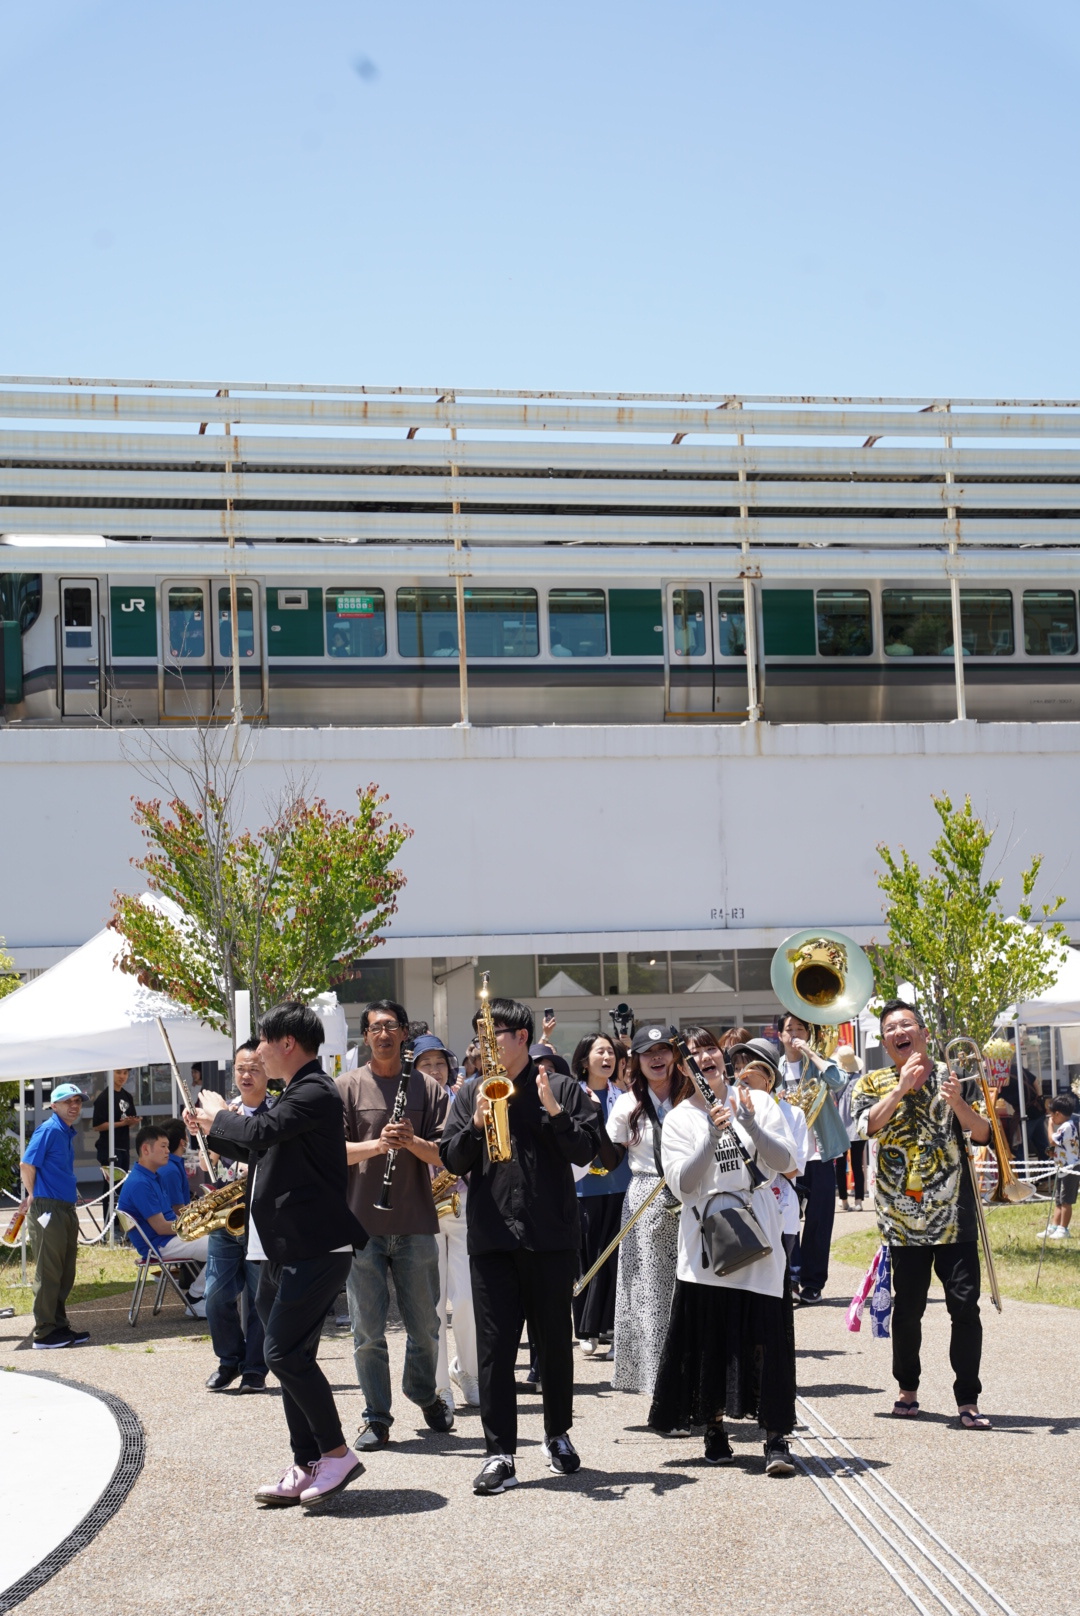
(400, 1100)
(757, 1177)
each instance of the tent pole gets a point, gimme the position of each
(1020, 1097)
(112, 1156)
(22, 1153)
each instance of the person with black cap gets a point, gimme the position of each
(730, 1344)
(646, 1256)
(523, 1239)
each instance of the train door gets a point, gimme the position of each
(250, 640)
(705, 651)
(186, 664)
(79, 670)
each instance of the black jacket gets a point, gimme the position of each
(529, 1201)
(296, 1153)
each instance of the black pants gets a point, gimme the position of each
(818, 1184)
(507, 1287)
(594, 1309)
(292, 1303)
(957, 1267)
(857, 1152)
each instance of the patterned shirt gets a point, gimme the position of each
(923, 1194)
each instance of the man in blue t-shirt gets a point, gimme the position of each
(47, 1171)
(144, 1195)
(174, 1173)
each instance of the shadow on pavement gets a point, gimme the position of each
(379, 1501)
(597, 1483)
(840, 1388)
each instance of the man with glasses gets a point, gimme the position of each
(401, 1241)
(523, 1239)
(918, 1112)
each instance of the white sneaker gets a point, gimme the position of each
(1058, 1233)
(467, 1384)
(589, 1347)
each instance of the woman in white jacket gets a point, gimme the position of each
(730, 1346)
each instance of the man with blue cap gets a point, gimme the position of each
(48, 1175)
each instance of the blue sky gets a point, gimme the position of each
(681, 196)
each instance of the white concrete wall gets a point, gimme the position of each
(538, 838)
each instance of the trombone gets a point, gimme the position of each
(1011, 1189)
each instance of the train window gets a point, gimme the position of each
(843, 622)
(577, 622)
(133, 614)
(788, 617)
(187, 622)
(688, 617)
(355, 623)
(637, 623)
(501, 622)
(78, 617)
(918, 622)
(247, 622)
(730, 622)
(1049, 622)
(294, 622)
(498, 622)
(986, 622)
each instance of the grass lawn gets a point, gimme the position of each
(1013, 1231)
(100, 1272)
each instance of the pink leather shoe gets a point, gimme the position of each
(287, 1490)
(329, 1476)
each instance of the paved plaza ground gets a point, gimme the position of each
(645, 1526)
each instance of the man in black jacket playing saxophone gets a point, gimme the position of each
(523, 1240)
(300, 1228)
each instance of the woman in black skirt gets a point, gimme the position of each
(730, 1346)
(600, 1200)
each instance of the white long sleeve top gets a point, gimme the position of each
(688, 1144)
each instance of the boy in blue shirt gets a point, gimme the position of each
(144, 1195)
(174, 1173)
(48, 1174)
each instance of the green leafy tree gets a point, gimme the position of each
(950, 938)
(282, 912)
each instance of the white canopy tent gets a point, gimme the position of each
(1059, 1005)
(86, 1015)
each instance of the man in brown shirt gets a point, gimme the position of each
(402, 1240)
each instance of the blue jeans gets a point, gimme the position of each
(228, 1273)
(414, 1260)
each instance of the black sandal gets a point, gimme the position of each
(904, 1411)
(972, 1420)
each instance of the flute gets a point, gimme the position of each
(400, 1098)
(701, 1082)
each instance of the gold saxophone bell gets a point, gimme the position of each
(824, 978)
(496, 1087)
(446, 1198)
(222, 1208)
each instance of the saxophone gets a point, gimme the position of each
(495, 1086)
(222, 1208)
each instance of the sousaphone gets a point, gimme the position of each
(824, 978)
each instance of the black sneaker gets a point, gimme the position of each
(223, 1376)
(497, 1475)
(778, 1460)
(561, 1455)
(53, 1341)
(808, 1298)
(718, 1450)
(252, 1383)
(372, 1436)
(439, 1416)
(77, 1338)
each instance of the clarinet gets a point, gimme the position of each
(701, 1082)
(400, 1098)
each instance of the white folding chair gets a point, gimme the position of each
(167, 1275)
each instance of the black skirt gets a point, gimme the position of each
(594, 1309)
(727, 1352)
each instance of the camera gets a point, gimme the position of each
(622, 1019)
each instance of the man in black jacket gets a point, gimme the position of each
(523, 1240)
(300, 1228)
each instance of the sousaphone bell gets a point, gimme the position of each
(824, 978)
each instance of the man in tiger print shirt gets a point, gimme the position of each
(918, 1112)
